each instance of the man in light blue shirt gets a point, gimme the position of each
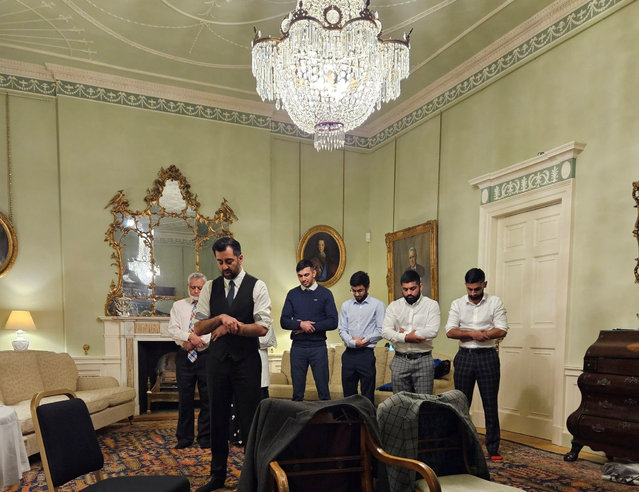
(360, 326)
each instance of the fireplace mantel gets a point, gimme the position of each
(121, 337)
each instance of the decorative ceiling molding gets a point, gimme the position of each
(552, 25)
(139, 87)
(495, 51)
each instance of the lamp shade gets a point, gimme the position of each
(20, 320)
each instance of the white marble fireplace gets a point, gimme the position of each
(122, 336)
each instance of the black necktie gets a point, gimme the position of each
(231, 294)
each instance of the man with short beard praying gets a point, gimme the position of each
(410, 325)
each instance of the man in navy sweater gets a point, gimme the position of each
(309, 312)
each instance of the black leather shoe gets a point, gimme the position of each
(214, 484)
(205, 444)
(182, 444)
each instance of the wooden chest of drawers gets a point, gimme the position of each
(608, 417)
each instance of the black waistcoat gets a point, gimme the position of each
(234, 346)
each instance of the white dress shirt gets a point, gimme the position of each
(266, 341)
(180, 322)
(489, 313)
(422, 316)
(261, 301)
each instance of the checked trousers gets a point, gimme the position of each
(481, 366)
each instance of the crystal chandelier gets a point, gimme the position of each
(330, 68)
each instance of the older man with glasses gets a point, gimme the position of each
(190, 366)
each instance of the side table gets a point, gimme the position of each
(13, 454)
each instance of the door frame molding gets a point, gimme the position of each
(546, 179)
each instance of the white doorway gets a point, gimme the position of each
(524, 248)
(526, 278)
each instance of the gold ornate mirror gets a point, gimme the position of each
(8, 245)
(157, 248)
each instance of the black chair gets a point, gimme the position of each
(69, 448)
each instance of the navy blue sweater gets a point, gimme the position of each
(309, 305)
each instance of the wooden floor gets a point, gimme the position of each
(545, 445)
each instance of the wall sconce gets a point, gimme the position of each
(20, 321)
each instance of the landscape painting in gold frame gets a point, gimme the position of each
(416, 248)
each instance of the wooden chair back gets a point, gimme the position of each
(337, 453)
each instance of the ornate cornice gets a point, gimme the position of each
(518, 47)
(552, 25)
(545, 169)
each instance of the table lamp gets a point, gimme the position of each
(20, 321)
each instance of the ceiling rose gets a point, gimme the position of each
(330, 68)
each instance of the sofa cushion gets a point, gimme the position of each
(57, 371)
(442, 367)
(381, 354)
(20, 376)
(380, 365)
(336, 374)
(286, 365)
(120, 395)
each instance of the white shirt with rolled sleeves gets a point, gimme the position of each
(180, 320)
(489, 313)
(261, 301)
(266, 341)
(423, 316)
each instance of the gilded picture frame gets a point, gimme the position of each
(325, 248)
(635, 195)
(8, 245)
(414, 247)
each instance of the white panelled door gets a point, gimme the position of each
(527, 267)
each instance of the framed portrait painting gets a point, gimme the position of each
(414, 248)
(8, 245)
(325, 248)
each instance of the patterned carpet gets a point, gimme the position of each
(146, 448)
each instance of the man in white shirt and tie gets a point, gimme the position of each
(190, 365)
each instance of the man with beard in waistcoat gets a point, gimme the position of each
(236, 309)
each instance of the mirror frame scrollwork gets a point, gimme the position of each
(215, 227)
(635, 195)
(9, 256)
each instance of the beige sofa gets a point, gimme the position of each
(23, 374)
(282, 385)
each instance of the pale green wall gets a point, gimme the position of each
(71, 155)
(35, 281)
(583, 90)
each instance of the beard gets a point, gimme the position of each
(476, 297)
(410, 299)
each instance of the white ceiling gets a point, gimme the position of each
(204, 45)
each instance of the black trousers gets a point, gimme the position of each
(188, 375)
(481, 366)
(317, 358)
(358, 366)
(229, 379)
